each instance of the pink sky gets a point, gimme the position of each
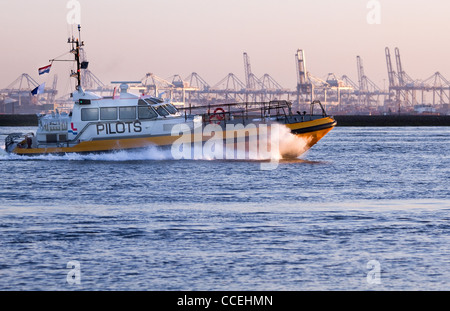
(126, 39)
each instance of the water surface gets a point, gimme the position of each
(142, 221)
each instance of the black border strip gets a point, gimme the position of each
(314, 128)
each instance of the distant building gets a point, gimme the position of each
(424, 109)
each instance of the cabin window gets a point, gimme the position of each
(109, 113)
(51, 138)
(89, 114)
(127, 113)
(171, 109)
(147, 113)
(161, 111)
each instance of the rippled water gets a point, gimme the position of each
(142, 221)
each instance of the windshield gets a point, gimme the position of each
(171, 108)
(161, 111)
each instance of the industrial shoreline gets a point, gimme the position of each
(342, 120)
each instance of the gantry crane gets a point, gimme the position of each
(304, 85)
(368, 91)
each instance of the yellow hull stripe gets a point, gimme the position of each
(306, 124)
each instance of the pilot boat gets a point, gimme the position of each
(127, 121)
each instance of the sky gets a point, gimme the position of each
(127, 39)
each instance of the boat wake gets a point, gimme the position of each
(150, 153)
(291, 146)
(3, 153)
(292, 151)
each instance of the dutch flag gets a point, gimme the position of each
(45, 69)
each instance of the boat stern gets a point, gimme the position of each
(17, 142)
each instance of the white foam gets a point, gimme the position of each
(3, 153)
(282, 144)
(291, 145)
(149, 153)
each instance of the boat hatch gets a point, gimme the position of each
(153, 100)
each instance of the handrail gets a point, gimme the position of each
(245, 108)
(246, 104)
(321, 107)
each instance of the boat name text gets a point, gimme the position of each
(119, 127)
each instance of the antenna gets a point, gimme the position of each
(79, 33)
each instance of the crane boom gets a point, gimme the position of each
(248, 72)
(400, 72)
(362, 79)
(391, 72)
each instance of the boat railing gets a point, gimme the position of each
(54, 123)
(317, 102)
(11, 139)
(277, 109)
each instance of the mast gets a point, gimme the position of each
(76, 45)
